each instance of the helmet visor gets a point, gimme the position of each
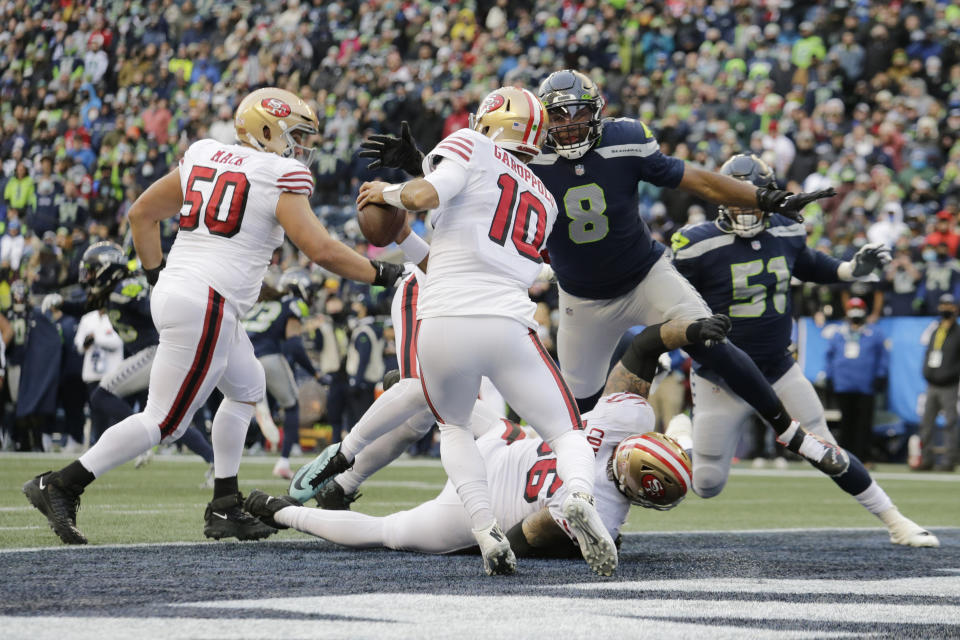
(570, 123)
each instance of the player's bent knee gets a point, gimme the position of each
(708, 483)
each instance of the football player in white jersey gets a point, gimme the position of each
(235, 203)
(491, 219)
(397, 419)
(631, 466)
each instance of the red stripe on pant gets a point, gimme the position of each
(423, 385)
(408, 307)
(568, 398)
(212, 320)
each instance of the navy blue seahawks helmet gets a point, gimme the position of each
(102, 266)
(742, 221)
(574, 104)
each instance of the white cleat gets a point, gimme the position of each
(595, 542)
(498, 558)
(908, 533)
(144, 458)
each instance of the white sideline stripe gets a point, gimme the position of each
(633, 534)
(877, 475)
(20, 528)
(413, 463)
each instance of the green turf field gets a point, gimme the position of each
(163, 502)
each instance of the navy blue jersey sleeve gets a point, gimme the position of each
(816, 266)
(651, 164)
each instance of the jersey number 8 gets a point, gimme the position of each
(585, 206)
(218, 222)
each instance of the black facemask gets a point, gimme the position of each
(947, 314)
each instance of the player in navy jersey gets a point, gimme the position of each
(110, 284)
(274, 328)
(742, 265)
(612, 275)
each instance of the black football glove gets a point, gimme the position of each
(709, 331)
(870, 257)
(387, 273)
(789, 204)
(391, 152)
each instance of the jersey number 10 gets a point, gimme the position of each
(506, 223)
(217, 221)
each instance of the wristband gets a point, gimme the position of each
(414, 248)
(845, 271)
(391, 195)
(154, 274)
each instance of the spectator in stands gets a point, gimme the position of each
(941, 276)
(856, 367)
(941, 370)
(901, 279)
(943, 233)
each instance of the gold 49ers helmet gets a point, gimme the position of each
(513, 118)
(275, 120)
(652, 470)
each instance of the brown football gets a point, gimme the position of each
(380, 223)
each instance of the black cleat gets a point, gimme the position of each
(332, 497)
(264, 507)
(225, 518)
(58, 504)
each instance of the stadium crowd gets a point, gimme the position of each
(100, 100)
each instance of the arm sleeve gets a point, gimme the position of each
(652, 165)
(294, 177)
(815, 266)
(449, 179)
(293, 349)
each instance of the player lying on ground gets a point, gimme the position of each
(612, 275)
(742, 266)
(631, 466)
(235, 202)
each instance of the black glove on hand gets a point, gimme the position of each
(787, 203)
(870, 257)
(387, 273)
(710, 330)
(391, 152)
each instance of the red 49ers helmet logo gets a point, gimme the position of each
(652, 486)
(493, 102)
(275, 107)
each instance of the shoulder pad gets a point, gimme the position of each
(627, 130)
(693, 233)
(131, 288)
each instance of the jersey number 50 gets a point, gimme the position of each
(219, 220)
(504, 220)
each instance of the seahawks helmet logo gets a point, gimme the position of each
(276, 107)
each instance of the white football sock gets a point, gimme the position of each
(874, 499)
(384, 450)
(228, 433)
(348, 528)
(575, 461)
(464, 466)
(395, 406)
(121, 443)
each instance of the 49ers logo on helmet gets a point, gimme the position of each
(276, 107)
(652, 486)
(492, 103)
